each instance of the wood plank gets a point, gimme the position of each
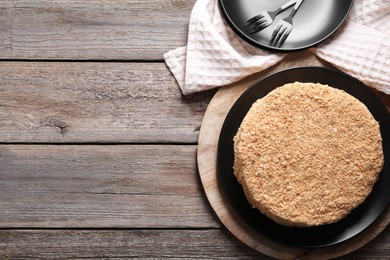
(121, 186)
(92, 29)
(5, 26)
(212, 243)
(96, 102)
(205, 244)
(77, 102)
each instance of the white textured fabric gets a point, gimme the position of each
(361, 47)
(215, 56)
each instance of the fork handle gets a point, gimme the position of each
(296, 6)
(287, 5)
(284, 6)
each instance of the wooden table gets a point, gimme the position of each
(98, 145)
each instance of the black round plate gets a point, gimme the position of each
(354, 223)
(314, 21)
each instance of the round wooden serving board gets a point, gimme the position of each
(207, 158)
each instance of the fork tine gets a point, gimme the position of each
(264, 25)
(257, 27)
(275, 32)
(254, 19)
(255, 24)
(261, 27)
(279, 35)
(284, 36)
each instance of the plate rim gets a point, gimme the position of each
(236, 103)
(257, 44)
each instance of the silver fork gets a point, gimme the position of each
(284, 27)
(265, 18)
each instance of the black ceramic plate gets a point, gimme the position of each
(314, 21)
(360, 218)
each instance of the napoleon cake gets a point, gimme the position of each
(307, 154)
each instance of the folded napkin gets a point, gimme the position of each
(361, 47)
(215, 56)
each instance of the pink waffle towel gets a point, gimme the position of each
(215, 56)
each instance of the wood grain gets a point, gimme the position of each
(210, 244)
(5, 26)
(73, 102)
(150, 244)
(92, 29)
(100, 186)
